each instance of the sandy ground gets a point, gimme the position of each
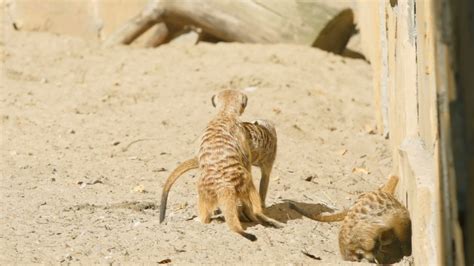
(71, 192)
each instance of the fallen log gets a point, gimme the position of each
(160, 35)
(253, 21)
(149, 16)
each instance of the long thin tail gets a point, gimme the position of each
(321, 218)
(181, 169)
(391, 184)
(228, 202)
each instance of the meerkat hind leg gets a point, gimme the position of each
(243, 217)
(247, 212)
(206, 207)
(256, 204)
(264, 182)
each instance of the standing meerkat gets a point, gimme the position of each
(376, 228)
(263, 147)
(224, 159)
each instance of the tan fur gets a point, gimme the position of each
(376, 228)
(224, 162)
(263, 146)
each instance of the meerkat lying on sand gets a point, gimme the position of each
(376, 228)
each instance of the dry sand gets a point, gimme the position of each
(71, 193)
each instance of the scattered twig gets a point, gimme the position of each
(191, 218)
(310, 255)
(329, 251)
(124, 149)
(162, 169)
(295, 126)
(342, 152)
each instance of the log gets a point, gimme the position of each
(230, 20)
(139, 24)
(159, 37)
(252, 21)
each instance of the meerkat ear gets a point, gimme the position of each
(212, 100)
(244, 101)
(386, 237)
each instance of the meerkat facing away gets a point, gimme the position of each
(225, 167)
(263, 148)
(262, 136)
(376, 228)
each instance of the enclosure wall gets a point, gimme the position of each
(411, 68)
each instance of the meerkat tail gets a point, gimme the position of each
(228, 201)
(320, 218)
(391, 185)
(180, 170)
(331, 217)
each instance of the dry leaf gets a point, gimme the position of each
(165, 261)
(139, 189)
(360, 170)
(181, 206)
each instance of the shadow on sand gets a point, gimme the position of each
(283, 213)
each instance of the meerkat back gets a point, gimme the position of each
(225, 167)
(263, 146)
(376, 228)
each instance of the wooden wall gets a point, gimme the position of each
(413, 85)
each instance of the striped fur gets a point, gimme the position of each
(377, 228)
(225, 166)
(263, 146)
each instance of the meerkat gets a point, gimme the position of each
(263, 148)
(224, 160)
(262, 136)
(225, 166)
(376, 228)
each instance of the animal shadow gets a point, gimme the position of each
(280, 212)
(283, 213)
